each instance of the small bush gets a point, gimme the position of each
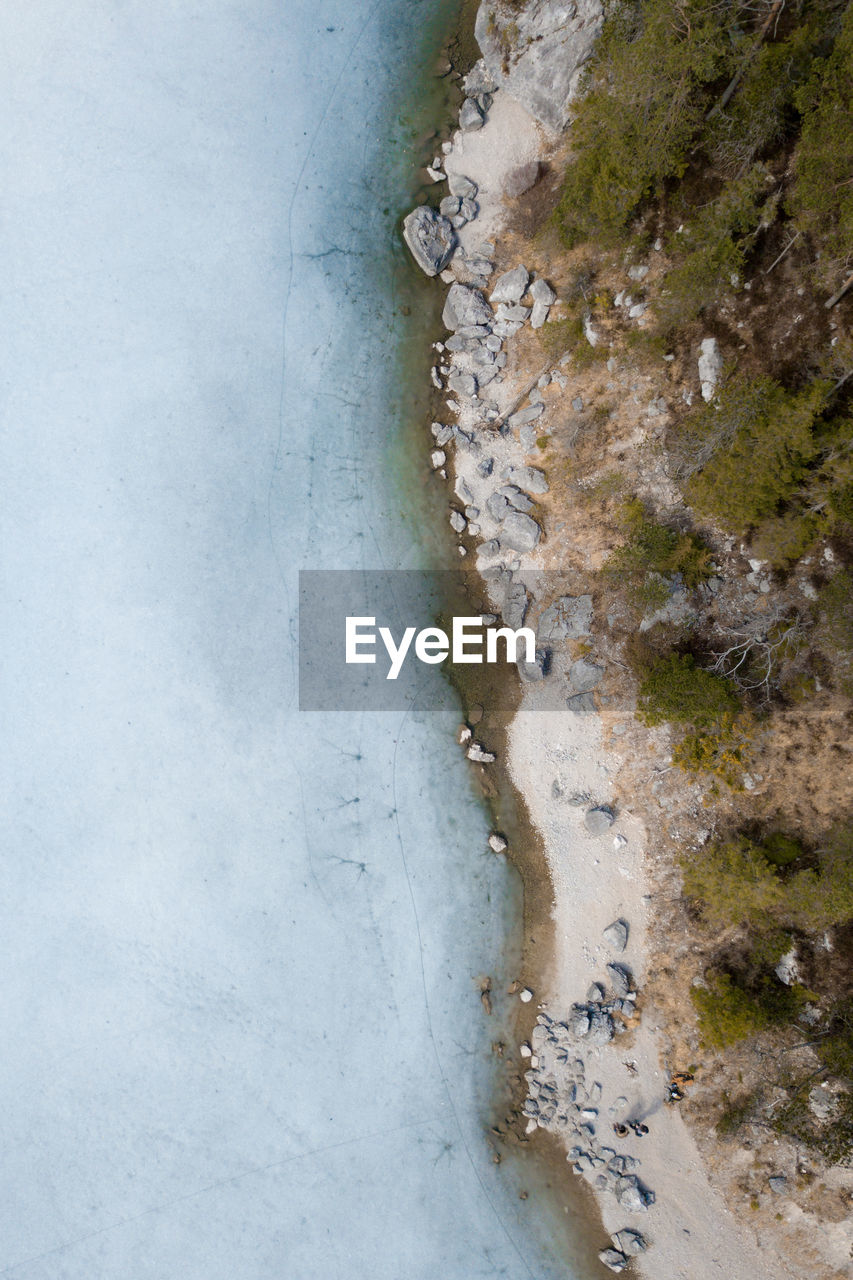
(676, 689)
(653, 554)
(726, 1012)
(762, 440)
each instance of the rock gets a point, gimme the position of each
(599, 820)
(461, 186)
(489, 548)
(787, 970)
(613, 1259)
(465, 305)
(470, 117)
(537, 53)
(431, 239)
(530, 478)
(538, 315)
(497, 506)
(577, 404)
(638, 273)
(437, 459)
(585, 675)
(441, 433)
(516, 498)
(589, 332)
(632, 1196)
(595, 995)
(497, 842)
(523, 416)
(778, 1184)
(525, 995)
(531, 672)
(479, 80)
(463, 384)
(579, 1020)
(638, 309)
(541, 291)
(449, 205)
(458, 523)
(511, 286)
(616, 935)
(520, 532)
(515, 604)
(521, 179)
(620, 979)
(478, 753)
(514, 314)
(567, 618)
(601, 1030)
(822, 1103)
(710, 367)
(582, 704)
(630, 1242)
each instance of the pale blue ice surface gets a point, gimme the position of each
(242, 1035)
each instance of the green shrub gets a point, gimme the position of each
(653, 553)
(734, 884)
(759, 440)
(645, 105)
(711, 251)
(726, 1012)
(676, 689)
(822, 198)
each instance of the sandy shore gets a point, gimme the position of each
(555, 757)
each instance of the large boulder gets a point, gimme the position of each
(464, 306)
(430, 237)
(568, 618)
(710, 367)
(538, 53)
(520, 532)
(599, 820)
(616, 935)
(632, 1195)
(585, 675)
(511, 286)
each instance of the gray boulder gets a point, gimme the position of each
(461, 186)
(470, 117)
(616, 935)
(585, 675)
(567, 619)
(778, 1184)
(537, 54)
(497, 506)
(463, 384)
(631, 1243)
(541, 291)
(620, 979)
(601, 1030)
(520, 532)
(465, 306)
(539, 315)
(613, 1259)
(582, 704)
(511, 286)
(598, 820)
(515, 605)
(531, 672)
(710, 367)
(579, 1020)
(516, 498)
(430, 238)
(529, 478)
(523, 416)
(521, 179)
(632, 1195)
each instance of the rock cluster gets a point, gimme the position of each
(538, 53)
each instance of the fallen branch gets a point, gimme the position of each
(791, 242)
(739, 74)
(836, 297)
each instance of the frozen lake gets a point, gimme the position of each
(242, 1035)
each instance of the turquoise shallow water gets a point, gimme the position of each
(241, 1015)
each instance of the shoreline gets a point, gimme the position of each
(658, 1183)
